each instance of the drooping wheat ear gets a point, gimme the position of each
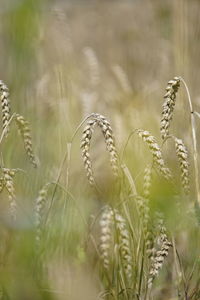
(106, 129)
(5, 104)
(8, 175)
(156, 152)
(110, 142)
(162, 253)
(106, 225)
(124, 243)
(39, 211)
(85, 146)
(182, 154)
(24, 130)
(168, 106)
(147, 181)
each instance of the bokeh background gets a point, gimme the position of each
(63, 60)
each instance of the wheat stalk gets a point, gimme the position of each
(168, 106)
(156, 152)
(5, 104)
(24, 130)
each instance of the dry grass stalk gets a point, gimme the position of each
(168, 106)
(106, 129)
(8, 175)
(24, 130)
(161, 254)
(182, 154)
(124, 243)
(143, 210)
(39, 210)
(5, 104)
(156, 152)
(106, 224)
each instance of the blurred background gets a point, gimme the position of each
(63, 60)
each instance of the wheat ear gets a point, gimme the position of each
(24, 130)
(2, 184)
(106, 224)
(106, 129)
(39, 210)
(147, 181)
(162, 253)
(156, 152)
(8, 175)
(5, 104)
(182, 154)
(168, 106)
(124, 243)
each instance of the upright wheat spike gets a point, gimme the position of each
(159, 257)
(39, 210)
(122, 78)
(93, 65)
(24, 130)
(5, 104)
(168, 106)
(8, 175)
(106, 224)
(147, 181)
(124, 243)
(182, 154)
(156, 152)
(110, 145)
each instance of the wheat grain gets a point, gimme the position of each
(168, 106)
(124, 243)
(5, 104)
(24, 130)
(182, 154)
(106, 223)
(156, 152)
